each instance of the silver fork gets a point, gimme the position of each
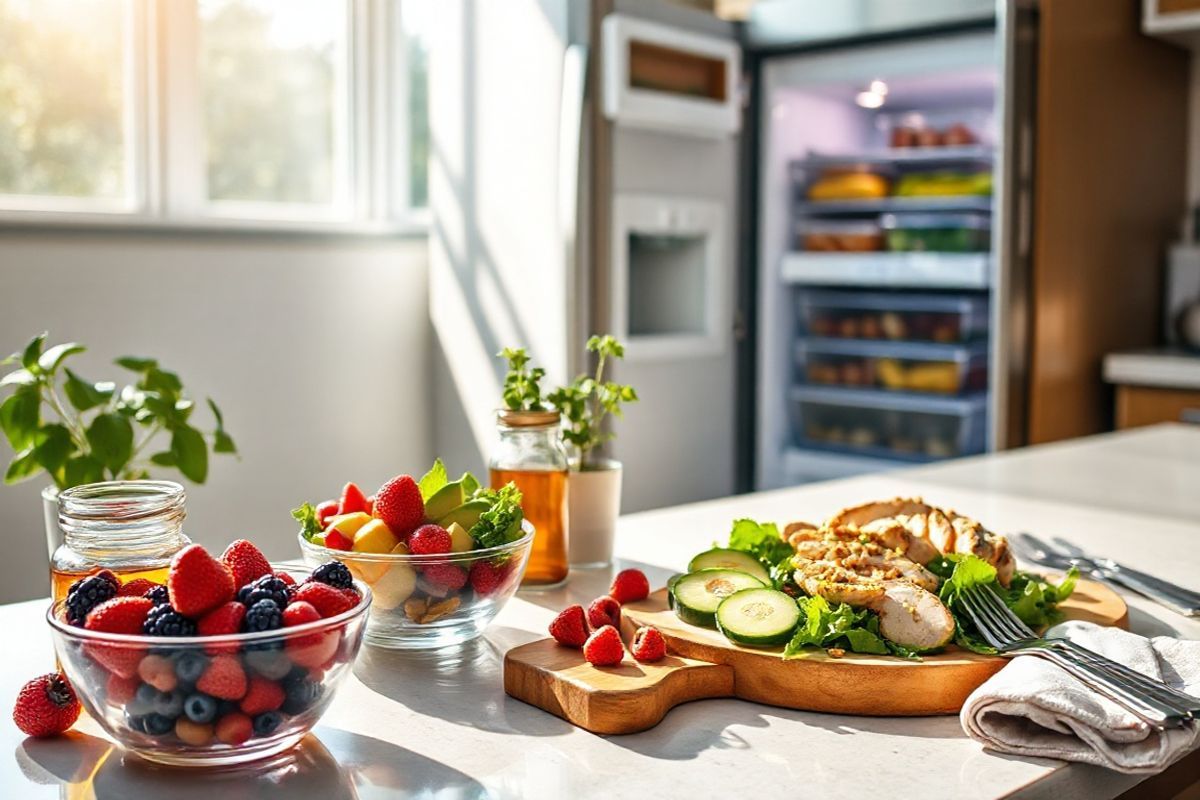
(1152, 701)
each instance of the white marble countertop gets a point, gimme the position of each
(1169, 368)
(441, 726)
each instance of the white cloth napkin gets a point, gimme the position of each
(1034, 708)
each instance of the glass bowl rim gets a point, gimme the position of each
(425, 558)
(318, 626)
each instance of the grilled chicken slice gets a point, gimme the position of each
(913, 617)
(836, 583)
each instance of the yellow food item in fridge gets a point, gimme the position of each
(848, 186)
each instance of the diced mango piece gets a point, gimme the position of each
(375, 537)
(394, 586)
(348, 524)
(364, 569)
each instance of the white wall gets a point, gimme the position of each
(317, 350)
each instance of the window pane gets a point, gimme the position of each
(273, 79)
(62, 98)
(416, 16)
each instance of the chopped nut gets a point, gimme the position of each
(836, 652)
(414, 608)
(439, 610)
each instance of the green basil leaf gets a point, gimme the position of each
(18, 377)
(50, 359)
(23, 466)
(82, 469)
(33, 351)
(136, 364)
(111, 440)
(83, 395)
(52, 446)
(20, 416)
(191, 451)
(164, 459)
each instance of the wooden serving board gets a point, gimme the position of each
(702, 663)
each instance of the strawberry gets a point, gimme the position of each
(371, 505)
(245, 562)
(262, 695)
(328, 601)
(629, 585)
(197, 582)
(603, 648)
(648, 645)
(398, 503)
(570, 627)
(429, 540)
(159, 672)
(336, 540)
(352, 500)
(326, 510)
(286, 578)
(299, 612)
(46, 706)
(224, 678)
(604, 611)
(445, 576)
(222, 620)
(313, 649)
(136, 587)
(486, 576)
(118, 615)
(234, 728)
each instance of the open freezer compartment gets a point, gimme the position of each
(876, 254)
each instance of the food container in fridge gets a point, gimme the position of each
(839, 236)
(897, 316)
(889, 425)
(893, 366)
(937, 233)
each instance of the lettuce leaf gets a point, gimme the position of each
(501, 523)
(825, 626)
(763, 541)
(306, 515)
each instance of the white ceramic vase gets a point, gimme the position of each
(594, 503)
(54, 534)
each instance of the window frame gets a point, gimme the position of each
(166, 164)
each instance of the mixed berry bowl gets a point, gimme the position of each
(228, 698)
(426, 601)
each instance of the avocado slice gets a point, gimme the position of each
(465, 515)
(444, 500)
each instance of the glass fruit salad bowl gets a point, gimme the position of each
(208, 670)
(441, 557)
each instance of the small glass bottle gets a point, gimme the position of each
(133, 528)
(531, 455)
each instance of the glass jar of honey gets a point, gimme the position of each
(530, 454)
(133, 528)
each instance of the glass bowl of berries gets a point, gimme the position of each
(441, 557)
(233, 659)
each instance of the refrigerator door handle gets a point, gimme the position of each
(570, 145)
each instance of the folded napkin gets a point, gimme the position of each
(1034, 708)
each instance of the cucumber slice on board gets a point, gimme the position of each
(758, 617)
(698, 594)
(721, 558)
(671, 581)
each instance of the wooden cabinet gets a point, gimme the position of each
(1150, 405)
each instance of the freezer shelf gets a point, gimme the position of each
(884, 424)
(882, 205)
(893, 315)
(903, 156)
(893, 270)
(919, 367)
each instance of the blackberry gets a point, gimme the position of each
(87, 593)
(334, 573)
(266, 723)
(200, 708)
(166, 621)
(264, 615)
(268, 587)
(300, 695)
(159, 595)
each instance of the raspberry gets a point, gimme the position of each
(629, 585)
(138, 587)
(268, 587)
(87, 593)
(429, 540)
(648, 645)
(262, 695)
(223, 679)
(328, 601)
(221, 621)
(263, 616)
(603, 648)
(604, 611)
(445, 576)
(487, 576)
(159, 672)
(46, 706)
(398, 503)
(570, 627)
(245, 562)
(166, 621)
(335, 573)
(234, 728)
(197, 582)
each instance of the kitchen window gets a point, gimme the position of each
(214, 113)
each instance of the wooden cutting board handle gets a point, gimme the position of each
(627, 698)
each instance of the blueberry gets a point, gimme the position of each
(143, 700)
(226, 707)
(135, 722)
(168, 704)
(190, 665)
(157, 724)
(271, 664)
(200, 708)
(266, 723)
(301, 694)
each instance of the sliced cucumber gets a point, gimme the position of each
(720, 558)
(671, 581)
(698, 593)
(758, 617)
